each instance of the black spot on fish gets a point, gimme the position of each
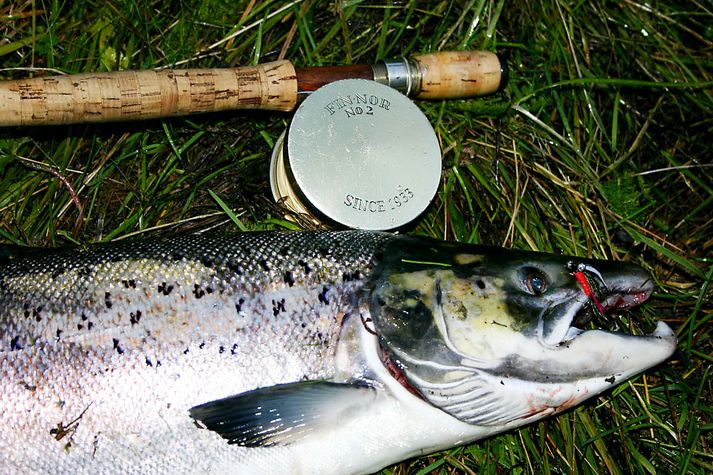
(233, 350)
(305, 266)
(277, 307)
(284, 251)
(79, 326)
(323, 295)
(158, 363)
(89, 325)
(148, 362)
(15, 344)
(208, 262)
(263, 264)
(21, 268)
(351, 276)
(197, 291)
(209, 290)
(304, 324)
(57, 272)
(480, 284)
(83, 271)
(59, 333)
(107, 299)
(221, 350)
(239, 305)
(289, 278)
(117, 346)
(129, 284)
(234, 267)
(610, 380)
(185, 352)
(202, 345)
(135, 317)
(165, 289)
(27, 313)
(36, 314)
(83, 317)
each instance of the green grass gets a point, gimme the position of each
(600, 146)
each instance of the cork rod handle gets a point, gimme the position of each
(134, 95)
(456, 74)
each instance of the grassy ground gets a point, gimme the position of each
(600, 146)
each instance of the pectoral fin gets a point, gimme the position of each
(281, 414)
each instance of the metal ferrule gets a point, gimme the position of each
(401, 74)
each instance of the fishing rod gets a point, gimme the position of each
(151, 94)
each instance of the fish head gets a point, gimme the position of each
(496, 337)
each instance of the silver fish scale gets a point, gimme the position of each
(148, 329)
(139, 287)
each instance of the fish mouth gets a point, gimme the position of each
(585, 342)
(616, 302)
(575, 316)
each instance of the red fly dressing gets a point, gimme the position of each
(579, 272)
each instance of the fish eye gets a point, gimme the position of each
(534, 280)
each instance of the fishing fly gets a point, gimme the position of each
(585, 274)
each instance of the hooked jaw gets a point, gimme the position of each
(590, 362)
(501, 377)
(574, 364)
(617, 294)
(576, 352)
